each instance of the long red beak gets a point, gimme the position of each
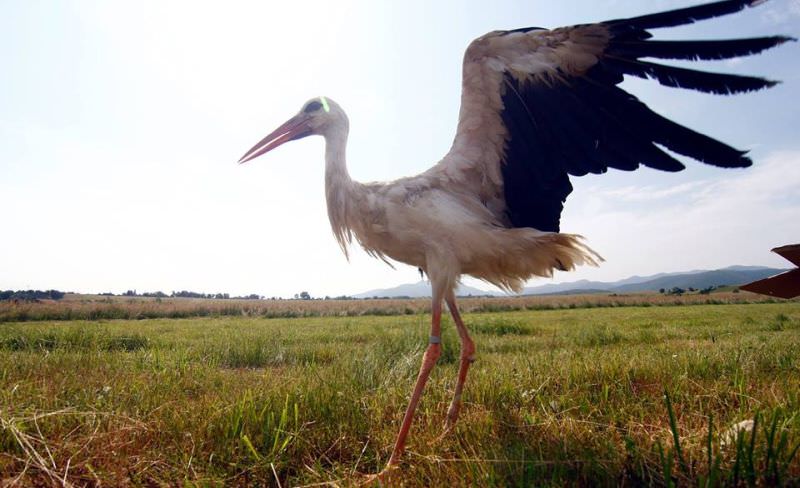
(294, 128)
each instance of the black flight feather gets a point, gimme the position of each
(659, 130)
(694, 50)
(719, 83)
(682, 16)
(587, 124)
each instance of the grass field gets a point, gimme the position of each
(561, 396)
(96, 307)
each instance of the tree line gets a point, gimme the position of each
(187, 294)
(31, 295)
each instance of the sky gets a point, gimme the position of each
(121, 124)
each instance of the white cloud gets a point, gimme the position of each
(781, 13)
(735, 218)
(648, 193)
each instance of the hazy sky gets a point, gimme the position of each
(121, 124)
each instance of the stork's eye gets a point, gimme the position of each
(312, 107)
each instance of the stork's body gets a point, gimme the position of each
(439, 224)
(537, 107)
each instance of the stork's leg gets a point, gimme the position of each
(467, 358)
(432, 353)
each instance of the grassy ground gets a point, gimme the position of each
(556, 397)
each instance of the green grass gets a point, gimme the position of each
(605, 396)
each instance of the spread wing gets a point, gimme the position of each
(540, 105)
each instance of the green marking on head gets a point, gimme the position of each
(325, 104)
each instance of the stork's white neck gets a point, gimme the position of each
(339, 187)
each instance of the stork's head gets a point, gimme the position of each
(320, 115)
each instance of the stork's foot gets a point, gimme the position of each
(467, 358)
(452, 416)
(387, 477)
(449, 421)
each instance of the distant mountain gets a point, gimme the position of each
(698, 279)
(421, 289)
(732, 275)
(746, 268)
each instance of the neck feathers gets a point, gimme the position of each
(339, 188)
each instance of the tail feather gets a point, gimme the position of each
(525, 252)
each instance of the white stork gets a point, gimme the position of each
(537, 106)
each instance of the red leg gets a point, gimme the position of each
(467, 358)
(432, 353)
(428, 362)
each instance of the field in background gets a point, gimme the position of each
(560, 394)
(95, 307)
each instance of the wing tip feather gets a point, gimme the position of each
(683, 16)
